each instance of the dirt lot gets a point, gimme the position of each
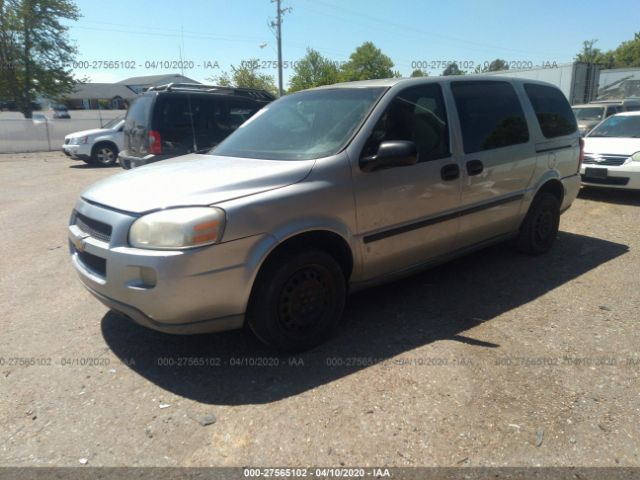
(495, 359)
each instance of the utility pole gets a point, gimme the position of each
(278, 26)
(279, 20)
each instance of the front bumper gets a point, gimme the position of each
(625, 176)
(77, 152)
(188, 291)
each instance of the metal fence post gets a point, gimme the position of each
(46, 124)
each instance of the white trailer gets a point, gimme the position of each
(619, 83)
(577, 80)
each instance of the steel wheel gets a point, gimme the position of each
(297, 300)
(540, 227)
(304, 299)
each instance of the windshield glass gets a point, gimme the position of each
(589, 113)
(618, 126)
(302, 126)
(113, 123)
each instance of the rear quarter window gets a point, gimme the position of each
(138, 113)
(553, 111)
(490, 115)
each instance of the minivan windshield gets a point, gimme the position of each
(618, 126)
(302, 126)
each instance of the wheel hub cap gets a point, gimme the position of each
(304, 299)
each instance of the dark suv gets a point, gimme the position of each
(180, 118)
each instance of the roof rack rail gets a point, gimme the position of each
(199, 87)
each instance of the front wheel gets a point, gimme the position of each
(297, 300)
(540, 227)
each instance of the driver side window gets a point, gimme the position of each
(416, 114)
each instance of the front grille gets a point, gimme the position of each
(606, 181)
(95, 264)
(93, 228)
(605, 160)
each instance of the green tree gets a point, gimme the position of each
(452, 69)
(223, 80)
(313, 70)
(419, 73)
(368, 62)
(591, 54)
(496, 65)
(247, 75)
(628, 53)
(35, 51)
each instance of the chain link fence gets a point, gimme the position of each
(45, 133)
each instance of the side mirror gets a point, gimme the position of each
(394, 153)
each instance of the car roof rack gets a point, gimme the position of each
(254, 93)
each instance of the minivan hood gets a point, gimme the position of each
(84, 133)
(587, 123)
(194, 180)
(612, 145)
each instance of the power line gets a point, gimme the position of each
(420, 32)
(193, 35)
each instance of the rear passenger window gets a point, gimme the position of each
(416, 114)
(490, 115)
(172, 113)
(553, 111)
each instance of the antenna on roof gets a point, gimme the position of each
(181, 49)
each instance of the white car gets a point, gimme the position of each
(99, 146)
(612, 153)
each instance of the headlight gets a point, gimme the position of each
(79, 140)
(636, 157)
(178, 228)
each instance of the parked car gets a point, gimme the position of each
(99, 146)
(327, 191)
(590, 114)
(612, 153)
(60, 111)
(179, 118)
(39, 118)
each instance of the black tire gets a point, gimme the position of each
(539, 228)
(104, 154)
(297, 300)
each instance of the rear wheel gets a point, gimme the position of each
(297, 300)
(540, 227)
(104, 154)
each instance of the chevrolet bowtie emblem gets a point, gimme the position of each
(80, 243)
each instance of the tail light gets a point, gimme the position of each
(155, 142)
(581, 157)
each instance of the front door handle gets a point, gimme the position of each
(474, 167)
(450, 172)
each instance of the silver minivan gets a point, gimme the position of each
(324, 192)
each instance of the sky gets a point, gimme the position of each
(211, 35)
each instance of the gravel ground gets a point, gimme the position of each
(494, 359)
